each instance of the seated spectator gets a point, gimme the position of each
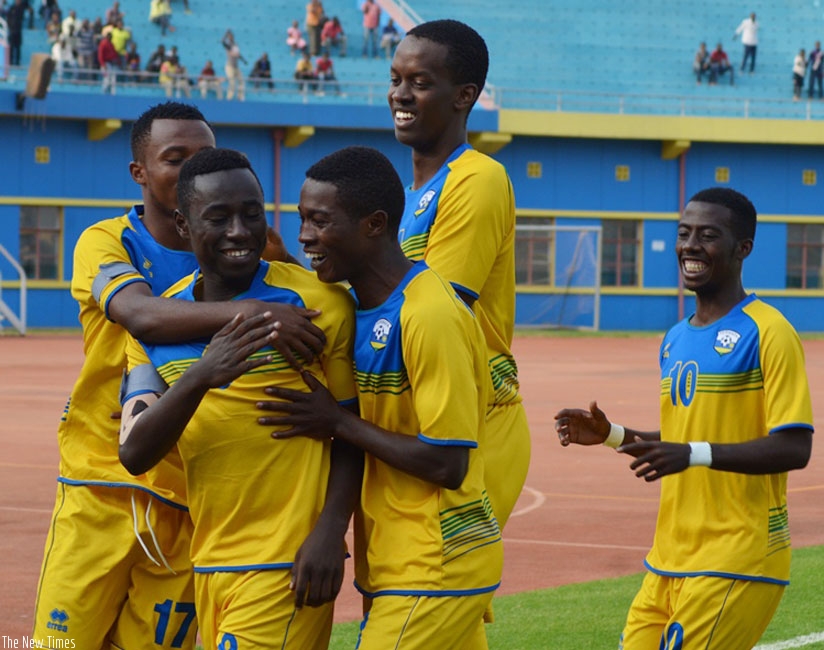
(305, 72)
(701, 63)
(719, 64)
(332, 36)
(208, 80)
(155, 61)
(160, 13)
(390, 37)
(54, 28)
(113, 13)
(63, 56)
(132, 63)
(325, 73)
(799, 70)
(262, 72)
(294, 38)
(173, 78)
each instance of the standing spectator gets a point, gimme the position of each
(749, 39)
(294, 38)
(208, 80)
(325, 72)
(113, 13)
(86, 49)
(109, 61)
(719, 64)
(332, 35)
(371, 22)
(305, 72)
(234, 74)
(314, 23)
(121, 36)
(160, 13)
(70, 22)
(47, 8)
(14, 20)
(389, 39)
(262, 72)
(155, 61)
(799, 69)
(63, 56)
(701, 62)
(173, 78)
(132, 63)
(816, 70)
(54, 28)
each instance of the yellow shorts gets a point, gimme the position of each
(506, 450)
(701, 612)
(247, 610)
(424, 623)
(98, 587)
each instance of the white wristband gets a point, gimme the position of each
(700, 454)
(615, 437)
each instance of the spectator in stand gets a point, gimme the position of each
(701, 62)
(390, 37)
(113, 13)
(121, 36)
(47, 8)
(155, 61)
(371, 22)
(109, 62)
(799, 70)
(14, 20)
(97, 29)
(325, 73)
(305, 72)
(208, 80)
(719, 64)
(86, 48)
(173, 78)
(160, 13)
(234, 74)
(132, 63)
(294, 39)
(314, 23)
(816, 70)
(749, 39)
(332, 35)
(63, 56)
(262, 72)
(70, 21)
(54, 28)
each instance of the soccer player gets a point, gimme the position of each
(460, 218)
(428, 551)
(116, 566)
(253, 501)
(735, 418)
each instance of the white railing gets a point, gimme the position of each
(18, 322)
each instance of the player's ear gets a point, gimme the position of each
(744, 248)
(138, 172)
(181, 225)
(466, 97)
(376, 223)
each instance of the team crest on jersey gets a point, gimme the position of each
(380, 334)
(148, 265)
(665, 353)
(725, 341)
(426, 199)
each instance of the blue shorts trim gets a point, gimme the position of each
(714, 574)
(244, 567)
(445, 593)
(112, 484)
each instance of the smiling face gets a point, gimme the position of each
(710, 255)
(226, 225)
(426, 104)
(330, 237)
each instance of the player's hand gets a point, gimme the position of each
(297, 339)
(582, 427)
(654, 459)
(317, 573)
(227, 356)
(313, 414)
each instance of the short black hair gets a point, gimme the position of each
(207, 161)
(467, 58)
(744, 216)
(142, 128)
(366, 182)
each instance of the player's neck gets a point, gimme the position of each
(379, 277)
(710, 307)
(427, 162)
(162, 228)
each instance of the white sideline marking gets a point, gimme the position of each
(15, 509)
(538, 499)
(797, 642)
(545, 542)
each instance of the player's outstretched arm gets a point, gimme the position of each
(152, 424)
(164, 320)
(592, 427)
(316, 414)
